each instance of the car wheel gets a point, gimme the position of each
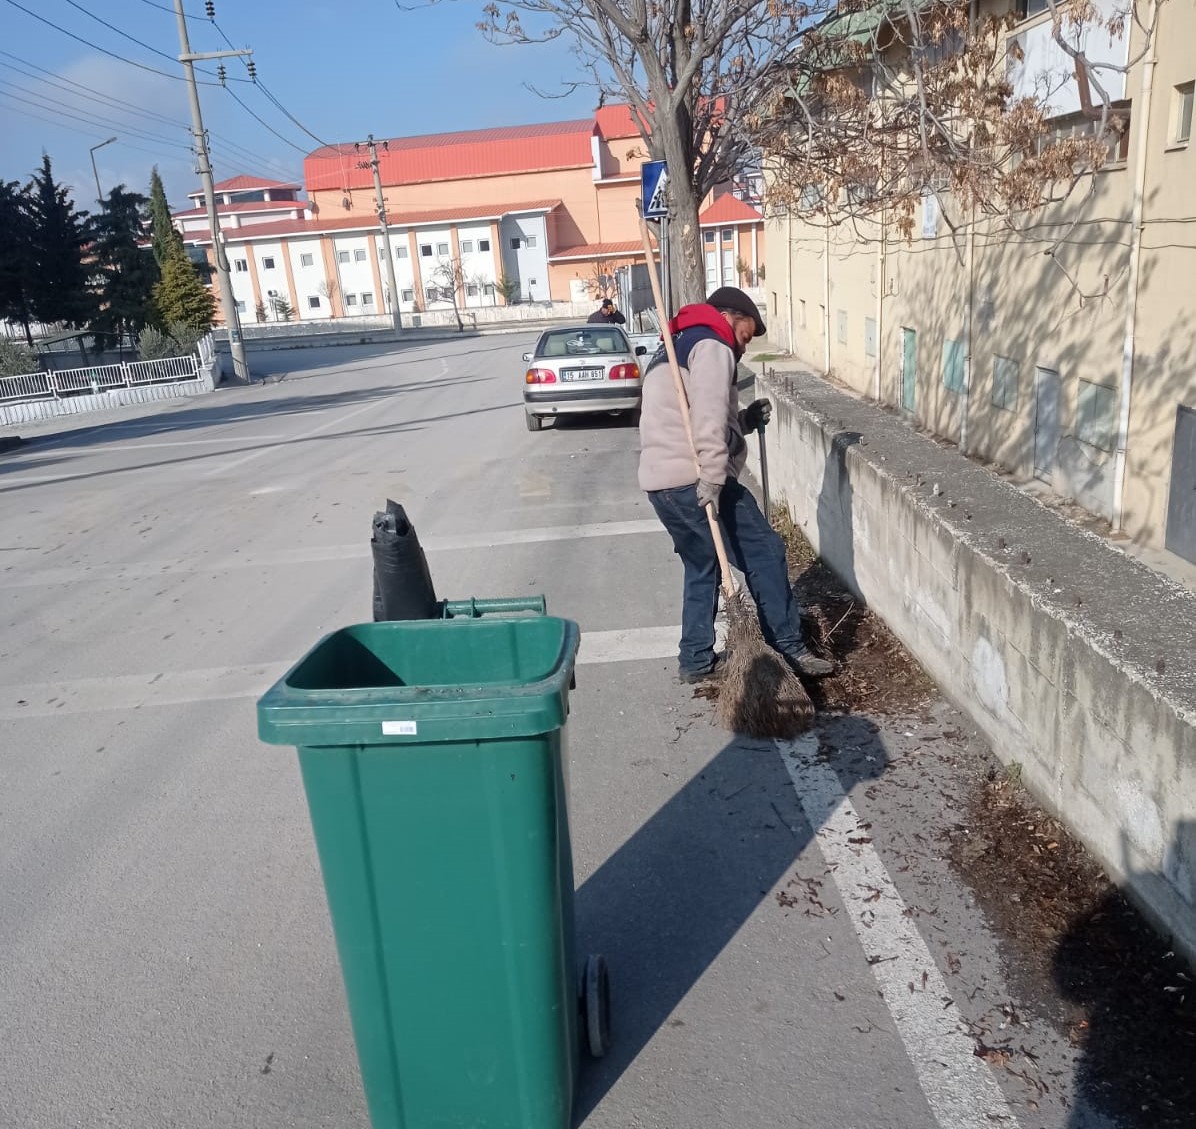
(534, 423)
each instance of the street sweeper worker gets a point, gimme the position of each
(709, 339)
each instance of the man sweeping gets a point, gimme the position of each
(709, 339)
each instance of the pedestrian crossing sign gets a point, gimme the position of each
(654, 180)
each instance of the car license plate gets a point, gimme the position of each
(582, 374)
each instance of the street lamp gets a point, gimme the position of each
(92, 151)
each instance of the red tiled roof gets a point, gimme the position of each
(630, 248)
(615, 122)
(281, 229)
(729, 209)
(224, 209)
(248, 184)
(456, 156)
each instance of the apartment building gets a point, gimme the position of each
(544, 212)
(1058, 342)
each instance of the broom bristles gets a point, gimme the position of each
(759, 695)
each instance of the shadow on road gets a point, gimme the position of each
(667, 902)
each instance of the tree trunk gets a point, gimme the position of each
(685, 238)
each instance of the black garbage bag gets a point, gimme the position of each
(402, 584)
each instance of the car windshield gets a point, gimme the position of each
(587, 342)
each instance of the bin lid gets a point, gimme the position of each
(425, 681)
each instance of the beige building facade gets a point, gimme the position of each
(1057, 343)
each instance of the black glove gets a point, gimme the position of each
(756, 415)
(708, 493)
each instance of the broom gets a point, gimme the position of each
(759, 696)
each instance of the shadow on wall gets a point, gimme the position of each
(836, 519)
(1138, 1002)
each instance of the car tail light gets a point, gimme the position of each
(540, 376)
(625, 372)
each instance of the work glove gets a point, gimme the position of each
(756, 415)
(708, 493)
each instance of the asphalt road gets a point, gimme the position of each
(165, 952)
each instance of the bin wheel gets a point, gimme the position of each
(595, 1006)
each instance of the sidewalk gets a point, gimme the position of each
(1072, 657)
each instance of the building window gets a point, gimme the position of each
(313, 303)
(711, 269)
(350, 299)
(515, 243)
(306, 259)
(471, 289)
(488, 289)
(268, 262)
(530, 241)
(240, 265)
(408, 295)
(367, 299)
(342, 256)
(431, 293)
(442, 249)
(466, 246)
(869, 337)
(841, 324)
(1181, 132)
(953, 369)
(801, 312)
(483, 244)
(401, 251)
(1096, 412)
(1004, 383)
(425, 250)
(708, 236)
(359, 255)
(1028, 8)
(241, 306)
(728, 235)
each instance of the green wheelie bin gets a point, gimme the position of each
(432, 755)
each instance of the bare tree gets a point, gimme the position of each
(888, 103)
(450, 277)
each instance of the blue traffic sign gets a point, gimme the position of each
(654, 181)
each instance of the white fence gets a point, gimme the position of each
(93, 380)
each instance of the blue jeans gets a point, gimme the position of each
(753, 546)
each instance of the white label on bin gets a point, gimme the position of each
(399, 729)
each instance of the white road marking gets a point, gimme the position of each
(181, 687)
(336, 421)
(90, 574)
(959, 1087)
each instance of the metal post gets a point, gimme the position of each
(228, 301)
(95, 171)
(666, 271)
(387, 250)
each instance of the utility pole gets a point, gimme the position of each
(228, 301)
(372, 163)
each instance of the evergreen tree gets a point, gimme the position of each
(127, 269)
(166, 235)
(181, 297)
(16, 255)
(58, 283)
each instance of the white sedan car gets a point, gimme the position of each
(583, 368)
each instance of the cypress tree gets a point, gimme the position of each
(166, 235)
(127, 269)
(58, 285)
(180, 296)
(16, 255)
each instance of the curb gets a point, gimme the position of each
(10, 443)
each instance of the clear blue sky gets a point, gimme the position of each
(343, 68)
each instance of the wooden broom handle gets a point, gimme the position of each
(683, 402)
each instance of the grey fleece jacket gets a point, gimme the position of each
(666, 458)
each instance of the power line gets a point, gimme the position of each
(266, 125)
(90, 133)
(240, 152)
(102, 50)
(141, 134)
(265, 90)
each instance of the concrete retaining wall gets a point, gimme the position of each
(31, 410)
(1077, 663)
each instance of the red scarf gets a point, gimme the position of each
(702, 314)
